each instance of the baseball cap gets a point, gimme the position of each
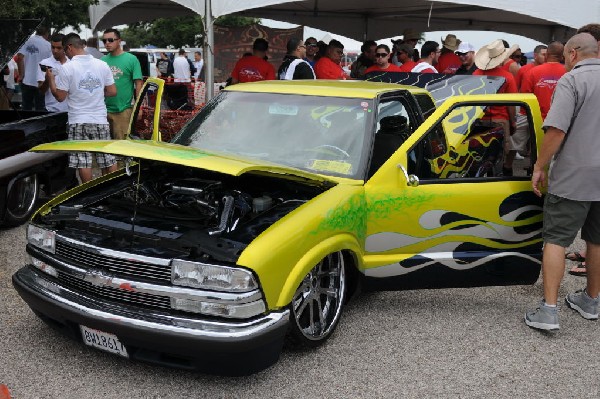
(464, 47)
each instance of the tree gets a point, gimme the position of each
(178, 32)
(57, 15)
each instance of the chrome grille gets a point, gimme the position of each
(115, 294)
(117, 266)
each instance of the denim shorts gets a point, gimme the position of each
(564, 217)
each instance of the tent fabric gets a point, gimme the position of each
(542, 20)
(108, 13)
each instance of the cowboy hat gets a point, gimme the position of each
(410, 34)
(490, 56)
(512, 49)
(451, 42)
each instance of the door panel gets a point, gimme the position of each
(464, 224)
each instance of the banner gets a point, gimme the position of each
(231, 42)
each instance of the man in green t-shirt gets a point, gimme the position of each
(127, 74)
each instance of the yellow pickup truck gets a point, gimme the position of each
(254, 225)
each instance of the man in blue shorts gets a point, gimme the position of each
(573, 199)
(83, 83)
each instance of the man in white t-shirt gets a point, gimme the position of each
(181, 66)
(55, 63)
(83, 83)
(198, 64)
(35, 49)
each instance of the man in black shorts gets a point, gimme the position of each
(573, 199)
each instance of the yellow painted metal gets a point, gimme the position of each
(284, 253)
(325, 88)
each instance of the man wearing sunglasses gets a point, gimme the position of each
(382, 61)
(127, 74)
(312, 48)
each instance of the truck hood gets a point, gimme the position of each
(182, 155)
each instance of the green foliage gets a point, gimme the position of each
(176, 32)
(57, 15)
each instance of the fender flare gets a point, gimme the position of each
(341, 242)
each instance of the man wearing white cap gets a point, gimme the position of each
(466, 53)
(489, 60)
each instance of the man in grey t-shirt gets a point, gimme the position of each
(573, 199)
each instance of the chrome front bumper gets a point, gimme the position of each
(153, 330)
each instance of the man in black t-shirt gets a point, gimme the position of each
(293, 66)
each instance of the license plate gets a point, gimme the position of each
(103, 340)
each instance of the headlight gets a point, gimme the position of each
(238, 311)
(211, 277)
(43, 266)
(41, 238)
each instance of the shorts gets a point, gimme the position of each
(89, 131)
(519, 140)
(564, 217)
(119, 123)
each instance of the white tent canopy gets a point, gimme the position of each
(543, 20)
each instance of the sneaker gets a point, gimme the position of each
(584, 304)
(543, 318)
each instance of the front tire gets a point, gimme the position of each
(317, 304)
(21, 196)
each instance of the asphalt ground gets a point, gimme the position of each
(452, 343)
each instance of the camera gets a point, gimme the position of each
(44, 68)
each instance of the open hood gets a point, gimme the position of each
(13, 33)
(180, 155)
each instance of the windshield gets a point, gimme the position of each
(325, 135)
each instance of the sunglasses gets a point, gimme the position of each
(312, 45)
(381, 55)
(109, 40)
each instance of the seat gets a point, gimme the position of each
(177, 97)
(393, 131)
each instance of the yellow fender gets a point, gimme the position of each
(311, 258)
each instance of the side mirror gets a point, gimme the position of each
(411, 180)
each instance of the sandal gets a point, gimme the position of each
(575, 256)
(579, 270)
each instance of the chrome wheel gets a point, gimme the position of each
(21, 196)
(318, 301)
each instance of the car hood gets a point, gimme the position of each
(13, 34)
(182, 155)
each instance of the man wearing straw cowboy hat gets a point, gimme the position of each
(489, 60)
(448, 61)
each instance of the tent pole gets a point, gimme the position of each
(209, 54)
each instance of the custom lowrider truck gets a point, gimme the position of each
(257, 222)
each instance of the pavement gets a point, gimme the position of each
(451, 343)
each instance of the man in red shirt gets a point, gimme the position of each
(253, 68)
(328, 67)
(512, 63)
(448, 61)
(539, 57)
(404, 54)
(542, 79)
(489, 60)
(382, 61)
